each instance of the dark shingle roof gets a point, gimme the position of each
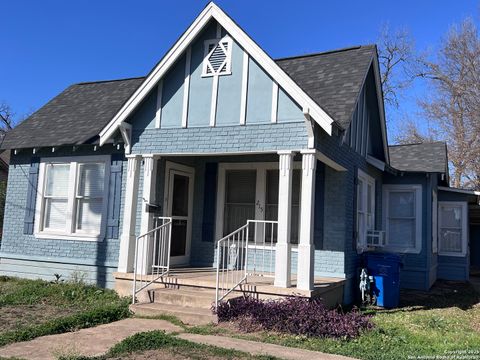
(333, 79)
(75, 116)
(426, 157)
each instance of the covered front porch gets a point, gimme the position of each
(228, 222)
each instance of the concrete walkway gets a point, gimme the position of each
(259, 348)
(98, 340)
(87, 342)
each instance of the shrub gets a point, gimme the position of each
(295, 315)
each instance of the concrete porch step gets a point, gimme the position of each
(194, 297)
(188, 297)
(188, 315)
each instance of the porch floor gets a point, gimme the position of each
(205, 277)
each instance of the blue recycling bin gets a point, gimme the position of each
(385, 269)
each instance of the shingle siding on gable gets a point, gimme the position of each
(265, 137)
(99, 257)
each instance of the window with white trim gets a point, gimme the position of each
(403, 218)
(217, 58)
(365, 208)
(452, 228)
(72, 197)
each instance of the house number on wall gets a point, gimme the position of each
(259, 206)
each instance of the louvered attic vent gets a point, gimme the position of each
(217, 59)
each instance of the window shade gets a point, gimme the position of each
(57, 180)
(402, 204)
(451, 229)
(401, 232)
(55, 213)
(91, 180)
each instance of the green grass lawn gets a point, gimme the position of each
(32, 308)
(159, 345)
(445, 321)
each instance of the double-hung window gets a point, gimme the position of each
(72, 197)
(452, 228)
(365, 208)
(403, 217)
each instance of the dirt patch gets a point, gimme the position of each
(476, 318)
(443, 294)
(171, 354)
(15, 317)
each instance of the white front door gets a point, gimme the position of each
(178, 205)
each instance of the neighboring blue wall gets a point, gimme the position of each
(26, 256)
(453, 267)
(415, 273)
(475, 246)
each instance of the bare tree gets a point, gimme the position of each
(400, 63)
(6, 118)
(410, 133)
(454, 101)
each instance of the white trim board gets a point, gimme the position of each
(461, 191)
(212, 11)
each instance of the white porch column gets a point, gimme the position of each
(144, 252)
(306, 247)
(283, 248)
(127, 239)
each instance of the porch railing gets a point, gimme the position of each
(152, 255)
(247, 251)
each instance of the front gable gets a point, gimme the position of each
(185, 97)
(254, 91)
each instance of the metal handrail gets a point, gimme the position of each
(159, 262)
(233, 257)
(260, 255)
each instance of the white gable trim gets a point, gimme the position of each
(212, 11)
(381, 109)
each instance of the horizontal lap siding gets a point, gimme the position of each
(98, 275)
(453, 268)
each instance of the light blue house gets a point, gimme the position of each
(137, 178)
